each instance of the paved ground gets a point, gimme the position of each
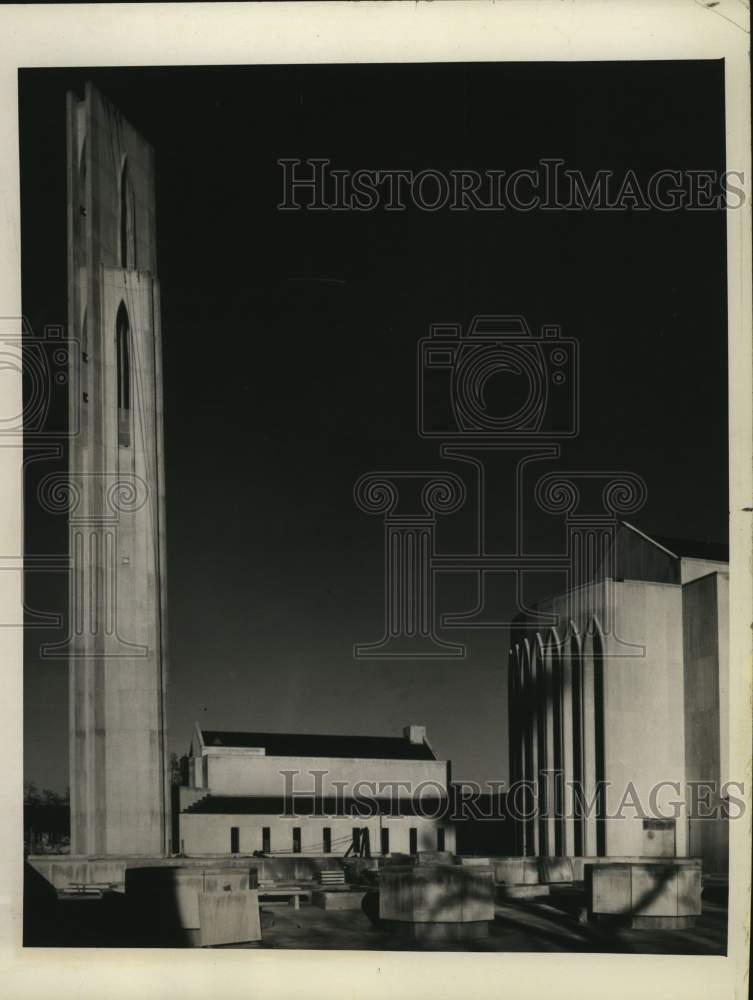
(548, 925)
(552, 923)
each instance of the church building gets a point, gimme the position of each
(286, 794)
(618, 711)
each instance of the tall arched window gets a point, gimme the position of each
(530, 750)
(594, 738)
(599, 740)
(538, 670)
(576, 689)
(553, 653)
(127, 220)
(123, 339)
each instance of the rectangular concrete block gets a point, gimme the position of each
(610, 888)
(337, 900)
(229, 917)
(435, 858)
(654, 891)
(478, 897)
(436, 894)
(395, 894)
(689, 887)
(555, 870)
(515, 871)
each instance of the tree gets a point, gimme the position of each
(31, 794)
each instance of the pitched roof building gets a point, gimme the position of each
(293, 793)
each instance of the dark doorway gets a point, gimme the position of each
(384, 837)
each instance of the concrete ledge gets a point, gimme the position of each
(508, 870)
(521, 891)
(663, 923)
(579, 864)
(62, 870)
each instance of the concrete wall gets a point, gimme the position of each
(208, 834)
(722, 617)
(589, 702)
(644, 721)
(706, 642)
(236, 773)
(692, 569)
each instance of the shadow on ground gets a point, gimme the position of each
(552, 923)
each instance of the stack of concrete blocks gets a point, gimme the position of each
(657, 895)
(194, 906)
(335, 894)
(437, 901)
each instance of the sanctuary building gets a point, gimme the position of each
(621, 698)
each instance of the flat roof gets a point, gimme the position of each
(319, 745)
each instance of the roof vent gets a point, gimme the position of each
(416, 734)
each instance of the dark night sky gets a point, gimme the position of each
(281, 392)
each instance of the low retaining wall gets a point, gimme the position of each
(541, 870)
(62, 871)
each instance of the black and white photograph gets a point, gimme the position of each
(385, 551)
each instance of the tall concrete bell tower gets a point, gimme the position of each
(117, 650)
